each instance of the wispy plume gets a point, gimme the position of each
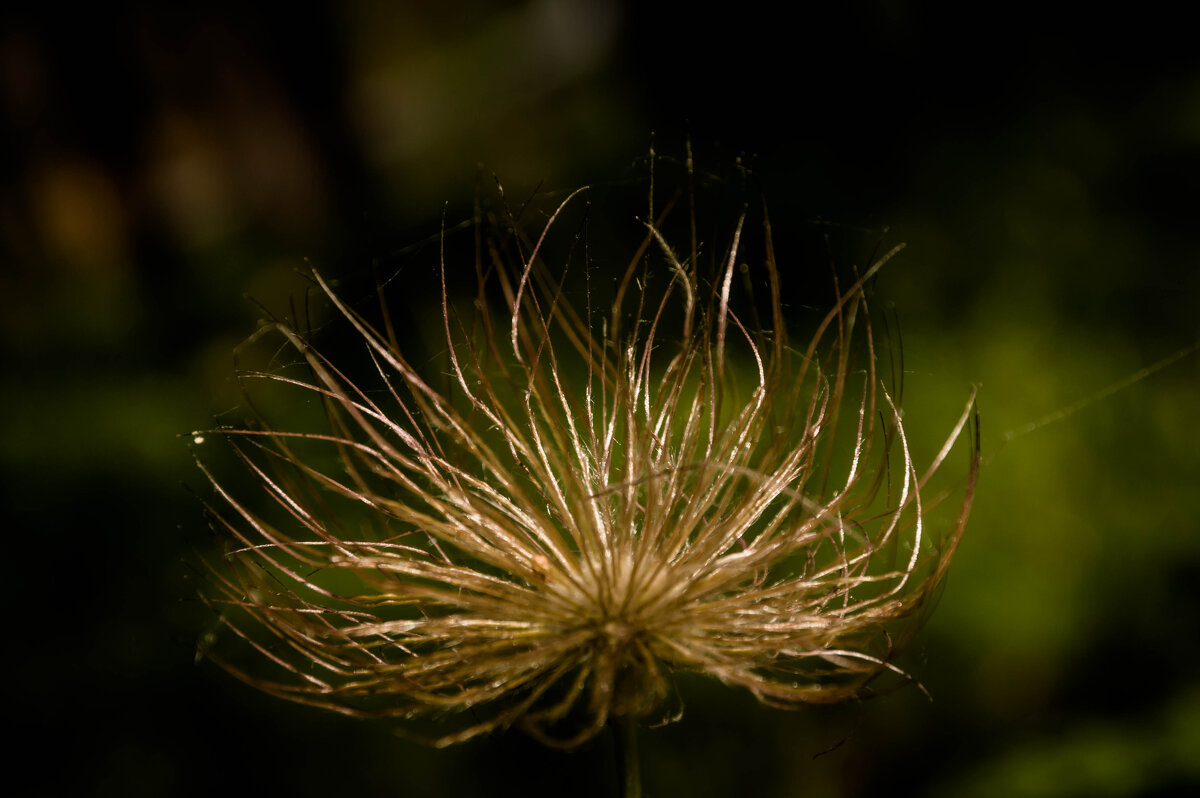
(586, 502)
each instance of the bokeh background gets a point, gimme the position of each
(161, 165)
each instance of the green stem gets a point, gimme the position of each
(629, 768)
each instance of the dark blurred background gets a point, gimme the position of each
(162, 164)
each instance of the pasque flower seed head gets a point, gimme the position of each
(586, 504)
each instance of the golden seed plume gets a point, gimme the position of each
(586, 506)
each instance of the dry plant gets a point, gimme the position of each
(589, 504)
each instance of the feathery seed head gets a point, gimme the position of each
(586, 506)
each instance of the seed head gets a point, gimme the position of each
(585, 506)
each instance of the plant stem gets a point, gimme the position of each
(629, 769)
